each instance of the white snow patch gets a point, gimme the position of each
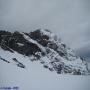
(20, 44)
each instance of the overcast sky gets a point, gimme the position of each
(69, 18)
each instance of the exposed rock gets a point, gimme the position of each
(44, 46)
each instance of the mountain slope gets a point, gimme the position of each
(42, 46)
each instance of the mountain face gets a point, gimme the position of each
(42, 46)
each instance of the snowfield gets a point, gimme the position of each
(35, 77)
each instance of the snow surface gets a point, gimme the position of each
(35, 77)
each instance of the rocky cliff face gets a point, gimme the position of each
(43, 46)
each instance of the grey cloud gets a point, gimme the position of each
(84, 52)
(68, 18)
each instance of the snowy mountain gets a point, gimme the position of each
(40, 46)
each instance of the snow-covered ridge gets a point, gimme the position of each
(42, 46)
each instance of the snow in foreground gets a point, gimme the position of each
(35, 77)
